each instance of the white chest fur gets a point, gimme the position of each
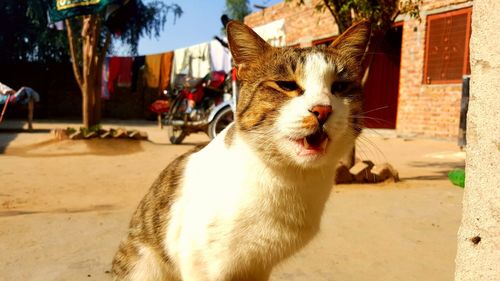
(233, 209)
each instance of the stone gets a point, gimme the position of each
(361, 170)
(60, 134)
(78, 135)
(120, 133)
(342, 174)
(384, 172)
(138, 135)
(90, 135)
(105, 134)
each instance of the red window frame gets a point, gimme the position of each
(466, 66)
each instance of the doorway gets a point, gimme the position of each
(382, 86)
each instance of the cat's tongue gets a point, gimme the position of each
(315, 143)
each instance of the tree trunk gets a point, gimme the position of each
(88, 72)
(91, 107)
(87, 110)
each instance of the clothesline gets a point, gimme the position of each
(158, 70)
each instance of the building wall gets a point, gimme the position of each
(478, 252)
(430, 110)
(426, 109)
(303, 24)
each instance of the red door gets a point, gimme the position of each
(381, 88)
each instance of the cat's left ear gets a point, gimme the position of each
(246, 46)
(354, 40)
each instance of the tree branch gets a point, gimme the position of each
(72, 49)
(94, 39)
(86, 45)
(334, 13)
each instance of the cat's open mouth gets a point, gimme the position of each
(314, 143)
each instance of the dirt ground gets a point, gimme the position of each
(65, 205)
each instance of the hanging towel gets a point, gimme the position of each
(166, 70)
(220, 57)
(136, 68)
(193, 61)
(22, 96)
(152, 73)
(199, 60)
(113, 71)
(5, 90)
(125, 72)
(180, 65)
(26, 94)
(105, 79)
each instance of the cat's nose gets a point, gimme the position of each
(322, 112)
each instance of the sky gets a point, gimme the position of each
(199, 23)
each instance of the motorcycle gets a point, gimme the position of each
(213, 109)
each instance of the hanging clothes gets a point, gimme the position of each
(180, 65)
(5, 90)
(125, 72)
(119, 73)
(220, 57)
(136, 68)
(199, 60)
(104, 80)
(113, 70)
(165, 70)
(193, 61)
(152, 72)
(21, 96)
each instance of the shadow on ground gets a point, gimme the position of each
(94, 208)
(440, 169)
(10, 132)
(57, 148)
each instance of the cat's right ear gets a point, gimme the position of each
(246, 46)
(354, 40)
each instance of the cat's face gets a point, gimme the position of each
(299, 106)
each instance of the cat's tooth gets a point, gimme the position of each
(324, 143)
(306, 144)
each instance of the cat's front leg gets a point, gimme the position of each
(215, 270)
(137, 261)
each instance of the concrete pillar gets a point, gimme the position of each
(478, 255)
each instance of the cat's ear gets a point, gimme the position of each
(246, 46)
(354, 40)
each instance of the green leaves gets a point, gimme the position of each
(25, 35)
(237, 9)
(381, 13)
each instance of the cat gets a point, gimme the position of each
(232, 210)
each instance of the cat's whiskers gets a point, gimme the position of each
(373, 110)
(365, 146)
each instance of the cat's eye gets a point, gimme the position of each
(287, 85)
(340, 86)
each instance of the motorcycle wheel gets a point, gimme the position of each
(220, 122)
(176, 134)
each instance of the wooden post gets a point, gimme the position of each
(160, 123)
(31, 108)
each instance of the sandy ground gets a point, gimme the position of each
(65, 205)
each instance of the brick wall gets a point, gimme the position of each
(303, 24)
(430, 110)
